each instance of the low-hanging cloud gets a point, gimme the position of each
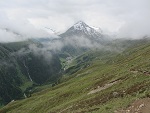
(74, 41)
(46, 49)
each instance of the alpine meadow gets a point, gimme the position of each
(74, 56)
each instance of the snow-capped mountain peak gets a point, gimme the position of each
(83, 27)
(80, 26)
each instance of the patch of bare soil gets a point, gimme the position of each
(138, 106)
(102, 88)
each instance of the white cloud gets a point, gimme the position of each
(130, 18)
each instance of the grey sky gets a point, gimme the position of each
(128, 18)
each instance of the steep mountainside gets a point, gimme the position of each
(105, 82)
(20, 68)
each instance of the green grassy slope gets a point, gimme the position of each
(102, 87)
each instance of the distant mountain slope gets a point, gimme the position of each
(77, 39)
(80, 38)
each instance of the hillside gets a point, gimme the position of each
(99, 81)
(21, 69)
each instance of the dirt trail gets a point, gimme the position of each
(138, 106)
(140, 71)
(102, 88)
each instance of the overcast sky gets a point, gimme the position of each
(127, 18)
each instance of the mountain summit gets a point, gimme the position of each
(81, 29)
(81, 26)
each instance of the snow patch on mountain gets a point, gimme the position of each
(49, 30)
(81, 26)
(97, 29)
